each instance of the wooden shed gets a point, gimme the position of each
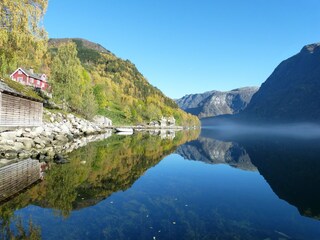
(17, 109)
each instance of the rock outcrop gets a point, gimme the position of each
(214, 103)
(164, 122)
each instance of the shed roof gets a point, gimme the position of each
(6, 89)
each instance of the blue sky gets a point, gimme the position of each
(191, 46)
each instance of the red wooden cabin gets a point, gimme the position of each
(28, 77)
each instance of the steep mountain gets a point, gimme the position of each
(121, 92)
(292, 91)
(214, 103)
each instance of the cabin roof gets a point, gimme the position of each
(8, 90)
(33, 75)
(30, 74)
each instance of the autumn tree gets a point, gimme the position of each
(71, 82)
(23, 39)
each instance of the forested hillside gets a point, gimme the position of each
(86, 78)
(119, 90)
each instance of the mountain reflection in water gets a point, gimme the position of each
(290, 164)
(138, 187)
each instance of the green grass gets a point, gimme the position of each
(117, 117)
(24, 90)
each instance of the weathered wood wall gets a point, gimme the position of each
(17, 111)
(18, 176)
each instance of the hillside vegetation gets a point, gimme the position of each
(111, 86)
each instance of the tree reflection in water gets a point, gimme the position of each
(95, 172)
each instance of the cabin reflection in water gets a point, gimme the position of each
(18, 176)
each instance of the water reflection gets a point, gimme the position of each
(132, 187)
(212, 151)
(94, 172)
(291, 167)
(289, 164)
(17, 176)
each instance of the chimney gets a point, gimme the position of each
(31, 70)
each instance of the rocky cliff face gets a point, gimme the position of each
(292, 91)
(216, 103)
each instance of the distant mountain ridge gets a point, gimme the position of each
(214, 103)
(291, 93)
(87, 44)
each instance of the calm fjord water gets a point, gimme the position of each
(145, 187)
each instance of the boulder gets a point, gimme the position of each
(5, 142)
(89, 130)
(64, 128)
(27, 142)
(18, 146)
(56, 129)
(19, 132)
(102, 121)
(10, 154)
(171, 121)
(27, 129)
(70, 116)
(24, 155)
(39, 146)
(31, 134)
(38, 130)
(12, 135)
(163, 122)
(59, 159)
(154, 124)
(50, 152)
(39, 141)
(61, 138)
(52, 119)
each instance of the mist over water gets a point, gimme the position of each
(230, 128)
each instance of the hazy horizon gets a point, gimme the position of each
(305, 130)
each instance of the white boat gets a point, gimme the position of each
(124, 133)
(124, 130)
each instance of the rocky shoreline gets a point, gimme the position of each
(60, 134)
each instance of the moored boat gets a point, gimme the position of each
(124, 129)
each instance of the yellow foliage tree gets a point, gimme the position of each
(23, 39)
